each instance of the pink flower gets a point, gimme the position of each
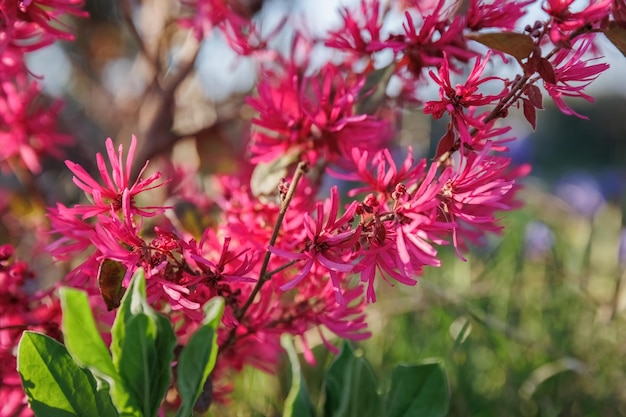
(415, 224)
(20, 310)
(399, 224)
(209, 14)
(564, 21)
(313, 115)
(33, 24)
(380, 173)
(454, 100)
(360, 31)
(329, 242)
(482, 186)
(247, 40)
(74, 233)
(572, 75)
(117, 189)
(502, 14)
(28, 131)
(439, 34)
(250, 219)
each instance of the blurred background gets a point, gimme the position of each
(533, 324)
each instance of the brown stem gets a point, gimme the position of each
(264, 276)
(273, 272)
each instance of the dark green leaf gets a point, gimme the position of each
(54, 384)
(81, 336)
(198, 358)
(351, 387)
(418, 391)
(298, 402)
(142, 347)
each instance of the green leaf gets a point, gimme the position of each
(142, 347)
(54, 384)
(351, 387)
(81, 335)
(418, 391)
(298, 402)
(197, 359)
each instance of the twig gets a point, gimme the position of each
(264, 276)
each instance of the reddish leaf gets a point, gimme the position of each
(534, 94)
(530, 113)
(617, 36)
(516, 44)
(546, 71)
(110, 276)
(446, 143)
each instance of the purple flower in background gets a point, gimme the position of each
(538, 240)
(582, 193)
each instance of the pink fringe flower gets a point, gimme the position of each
(117, 189)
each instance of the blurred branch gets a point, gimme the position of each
(156, 116)
(145, 50)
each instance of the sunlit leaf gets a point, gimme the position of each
(298, 402)
(142, 349)
(81, 335)
(52, 381)
(197, 359)
(267, 175)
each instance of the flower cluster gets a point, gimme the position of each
(28, 124)
(286, 251)
(21, 308)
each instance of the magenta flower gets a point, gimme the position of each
(360, 31)
(209, 14)
(329, 244)
(20, 310)
(380, 173)
(502, 14)
(573, 75)
(564, 21)
(399, 223)
(312, 305)
(28, 132)
(313, 115)
(482, 186)
(440, 34)
(75, 234)
(32, 24)
(117, 189)
(454, 100)
(416, 226)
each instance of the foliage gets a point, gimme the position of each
(83, 378)
(295, 204)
